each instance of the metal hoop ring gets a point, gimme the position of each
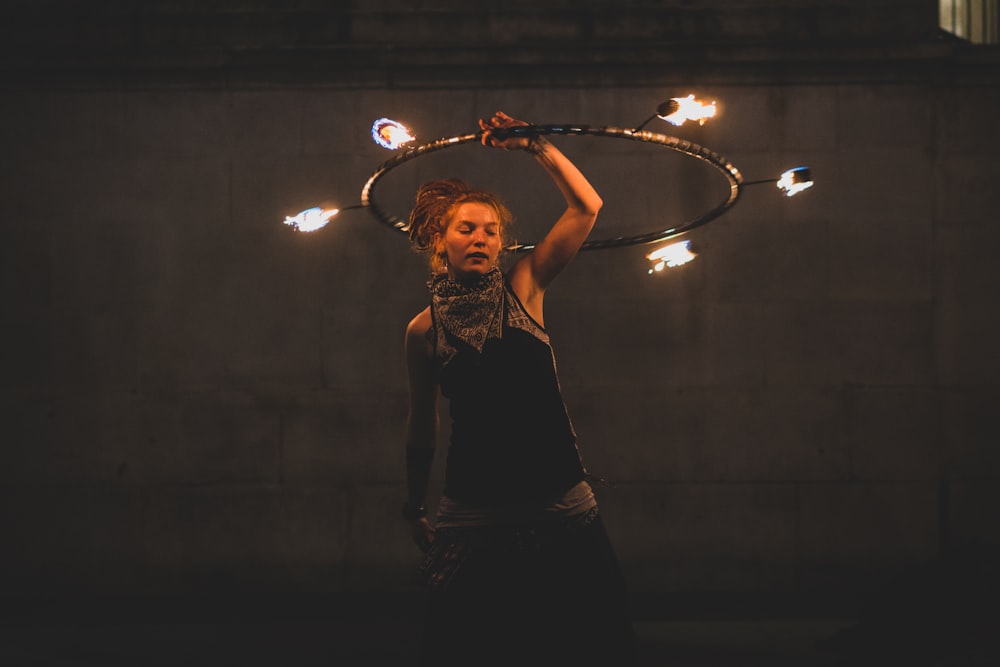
(726, 168)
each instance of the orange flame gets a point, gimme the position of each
(390, 134)
(671, 255)
(682, 109)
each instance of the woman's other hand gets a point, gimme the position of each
(423, 533)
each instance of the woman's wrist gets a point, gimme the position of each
(537, 145)
(413, 511)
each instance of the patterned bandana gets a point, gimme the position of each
(469, 312)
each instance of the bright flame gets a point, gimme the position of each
(671, 255)
(389, 134)
(681, 109)
(311, 219)
(795, 181)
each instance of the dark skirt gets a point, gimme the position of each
(549, 593)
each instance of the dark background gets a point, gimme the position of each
(200, 402)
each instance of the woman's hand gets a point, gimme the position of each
(423, 533)
(499, 121)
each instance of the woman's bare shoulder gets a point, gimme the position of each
(420, 324)
(417, 344)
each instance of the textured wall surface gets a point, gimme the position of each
(197, 398)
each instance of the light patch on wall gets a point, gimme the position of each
(974, 20)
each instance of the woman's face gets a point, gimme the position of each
(472, 240)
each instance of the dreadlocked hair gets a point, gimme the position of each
(435, 202)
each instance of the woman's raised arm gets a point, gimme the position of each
(533, 273)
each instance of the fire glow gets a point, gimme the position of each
(795, 181)
(311, 219)
(390, 134)
(682, 109)
(671, 255)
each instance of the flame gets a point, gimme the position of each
(681, 109)
(795, 181)
(671, 255)
(311, 219)
(390, 134)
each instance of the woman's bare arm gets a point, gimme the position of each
(421, 421)
(533, 273)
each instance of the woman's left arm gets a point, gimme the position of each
(562, 242)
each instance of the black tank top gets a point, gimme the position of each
(512, 440)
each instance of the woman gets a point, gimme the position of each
(519, 567)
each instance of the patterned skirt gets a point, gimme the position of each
(549, 592)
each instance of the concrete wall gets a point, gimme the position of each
(197, 398)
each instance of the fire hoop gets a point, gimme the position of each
(726, 168)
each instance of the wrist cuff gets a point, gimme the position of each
(413, 512)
